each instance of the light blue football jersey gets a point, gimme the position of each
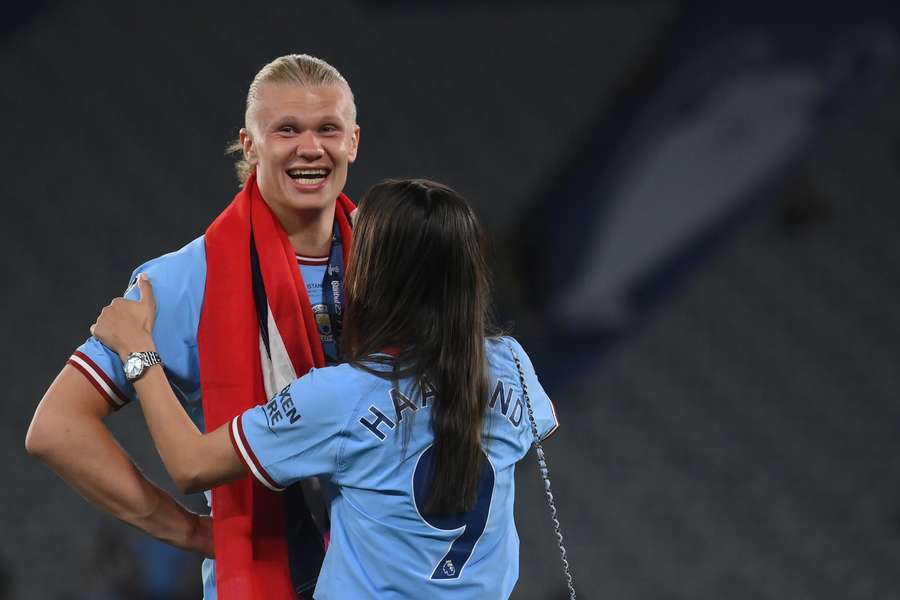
(372, 441)
(179, 281)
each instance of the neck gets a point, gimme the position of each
(309, 231)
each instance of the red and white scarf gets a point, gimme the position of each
(242, 365)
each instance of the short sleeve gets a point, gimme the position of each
(297, 434)
(178, 281)
(544, 411)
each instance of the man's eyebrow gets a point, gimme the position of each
(285, 120)
(331, 119)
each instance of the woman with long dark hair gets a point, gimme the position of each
(417, 432)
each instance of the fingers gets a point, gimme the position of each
(146, 290)
(104, 312)
(123, 317)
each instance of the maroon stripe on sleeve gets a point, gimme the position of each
(99, 379)
(112, 384)
(256, 467)
(234, 443)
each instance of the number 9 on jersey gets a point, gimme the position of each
(469, 525)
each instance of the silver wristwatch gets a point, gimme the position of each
(137, 363)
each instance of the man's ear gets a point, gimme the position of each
(249, 148)
(354, 144)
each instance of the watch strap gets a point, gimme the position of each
(150, 358)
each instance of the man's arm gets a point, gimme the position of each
(194, 461)
(67, 432)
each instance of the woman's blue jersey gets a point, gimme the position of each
(372, 440)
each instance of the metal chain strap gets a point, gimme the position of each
(545, 475)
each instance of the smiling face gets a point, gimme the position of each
(300, 140)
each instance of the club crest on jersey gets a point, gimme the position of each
(323, 322)
(448, 568)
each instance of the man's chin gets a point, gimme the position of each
(319, 199)
(304, 197)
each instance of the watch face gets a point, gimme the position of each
(133, 367)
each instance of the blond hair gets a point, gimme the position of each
(296, 69)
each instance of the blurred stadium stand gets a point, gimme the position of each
(740, 442)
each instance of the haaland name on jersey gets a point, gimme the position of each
(402, 403)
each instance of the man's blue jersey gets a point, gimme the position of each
(372, 440)
(179, 281)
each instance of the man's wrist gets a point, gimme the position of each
(170, 522)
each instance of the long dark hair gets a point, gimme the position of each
(418, 283)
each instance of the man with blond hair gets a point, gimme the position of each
(241, 311)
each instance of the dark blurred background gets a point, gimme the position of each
(694, 208)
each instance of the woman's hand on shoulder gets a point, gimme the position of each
(126, 326)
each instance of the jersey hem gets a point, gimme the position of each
(99, 379)
(555, 427)
(243, 450)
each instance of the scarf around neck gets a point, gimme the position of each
(257, 333)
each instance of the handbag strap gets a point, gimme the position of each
(545, 475)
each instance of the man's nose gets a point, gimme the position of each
(309, 146)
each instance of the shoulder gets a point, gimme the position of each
(178, 275)
(340, 386)
(324, 402)
(341, 375)
(508, 360)
(186, 262)
(502, 343)
(501, 349)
